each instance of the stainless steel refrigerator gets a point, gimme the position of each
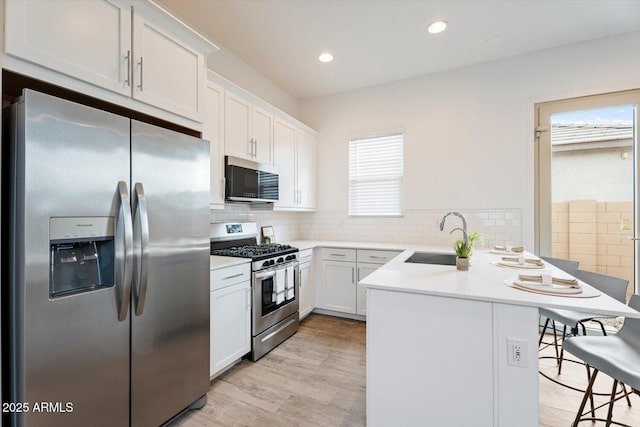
(109, 260)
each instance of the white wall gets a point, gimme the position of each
(468, 132)
(234, 69)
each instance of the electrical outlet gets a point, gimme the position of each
(517, 353)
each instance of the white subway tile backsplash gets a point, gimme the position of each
(418, 226)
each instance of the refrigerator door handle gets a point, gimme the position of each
(141, 226)
(124, 218)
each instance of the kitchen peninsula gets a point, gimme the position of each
(438, 343)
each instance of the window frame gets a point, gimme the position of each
(369, 136)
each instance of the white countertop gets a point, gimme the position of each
(310, 244)
(483, 282)
(216, 261)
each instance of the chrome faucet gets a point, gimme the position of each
(464, 224)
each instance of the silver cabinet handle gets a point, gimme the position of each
(265, 275)
(141, 226)
(248, 296)
(353, 274)
(124, 222)
(377, 257)
(300, 281)
(232, 276)
(251, 147)
(141, 74)
(128, 79)
(338, 254)
(255, 147)
(358, 275)
(222, 185)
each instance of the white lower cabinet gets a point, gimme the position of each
(338, 286)
(364, 269)
(307, 284)
(338, 289)
(342, 269)
(230, 322)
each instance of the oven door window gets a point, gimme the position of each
(273, 296)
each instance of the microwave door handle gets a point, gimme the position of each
(124, 219)
(142, 218)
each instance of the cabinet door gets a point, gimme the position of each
(230, 325)
(237, 116)
(213, 132)
(284, 159)
(306, 172)
(167, 73)
(88, 39)
(364, 269)
(262, 126)
(307, 290)
(338, 289)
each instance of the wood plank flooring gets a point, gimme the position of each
(317, 378)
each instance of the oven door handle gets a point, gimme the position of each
(265, 275)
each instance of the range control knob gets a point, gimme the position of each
(271, 262)
(290, 257)
(265, 264)
(280, 259)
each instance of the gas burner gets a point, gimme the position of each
(255, 252)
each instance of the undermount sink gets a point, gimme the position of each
(432, 258)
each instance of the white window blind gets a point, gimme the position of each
(375, 175)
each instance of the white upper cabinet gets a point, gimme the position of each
(133, 48)
(167, 72)
(306, 171)
(213, 132)
(262, 126)
(284, 156)
(295, 159)
(90, 40)
(248, 130)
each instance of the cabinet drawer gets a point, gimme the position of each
(227, 276)
(305, 255)
(375, 256)
(339, 254)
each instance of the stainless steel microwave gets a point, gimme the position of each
(247, 181)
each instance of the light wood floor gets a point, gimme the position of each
(317, 378)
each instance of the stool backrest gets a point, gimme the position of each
(630, 330)
(615, 287)
(566, 265)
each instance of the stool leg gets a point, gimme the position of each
(546, 323)
(587, 393)
(555, 340)
(613, 397)
(626, 394)
(564, 334)
(593, 411)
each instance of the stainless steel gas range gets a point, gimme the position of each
(275, 274)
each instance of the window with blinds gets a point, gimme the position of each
(375, 175)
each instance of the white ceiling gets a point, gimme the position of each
(381, 41)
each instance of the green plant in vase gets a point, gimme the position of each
(463, 248)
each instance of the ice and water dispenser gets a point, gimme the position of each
(82, 254)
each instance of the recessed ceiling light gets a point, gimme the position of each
(325, 57)
(437, 26)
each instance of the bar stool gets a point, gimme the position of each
(617, 356)
(612, 286)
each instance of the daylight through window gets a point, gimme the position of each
(375, 175)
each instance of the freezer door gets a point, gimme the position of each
(69, 350)
(170, 308)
